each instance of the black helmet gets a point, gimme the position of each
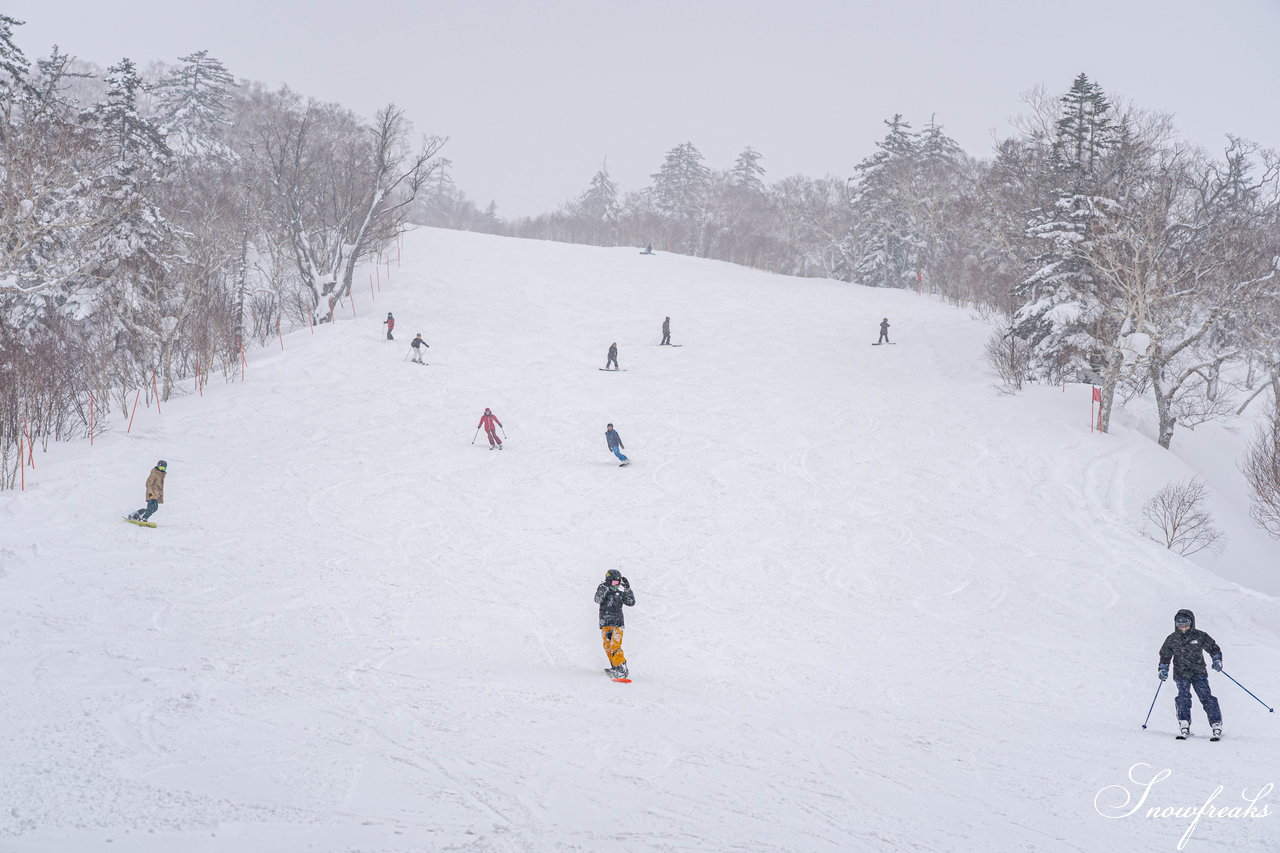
(613, 575)
(608, 426)
(162, 465)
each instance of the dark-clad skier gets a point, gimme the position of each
(417, 343)
(666, 332)
(612, 594)
(884, 331)
(1186, 648)
(613, 356)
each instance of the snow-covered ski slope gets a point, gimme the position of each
(880, 606)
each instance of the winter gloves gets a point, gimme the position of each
(1217, 663)
(1164, 671)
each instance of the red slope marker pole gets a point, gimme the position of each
(280, 333)
(91, 419)
(134, 412)
(156, 387)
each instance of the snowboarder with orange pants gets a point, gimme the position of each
(611, 595)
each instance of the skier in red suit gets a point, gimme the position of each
(490, 423)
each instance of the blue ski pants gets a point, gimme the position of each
(617, 451)
(1207, 699)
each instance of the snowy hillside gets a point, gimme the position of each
(880, 606)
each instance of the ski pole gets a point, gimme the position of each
(473, 438)
(1250, 692)
(1153, 704)
(504, 430)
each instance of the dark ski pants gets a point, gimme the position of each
(612, 361)
(612, 636)
(666, 339)
(389, 336)
(493, 438)
(884, 338)
(147, 511)
(1207, 699)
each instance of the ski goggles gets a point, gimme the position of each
(1182, 623)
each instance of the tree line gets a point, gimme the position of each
(151, 224)
(1100, 246)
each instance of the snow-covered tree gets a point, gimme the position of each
(193, 105)
(599, 206)
(884, 239)
(1059, 304)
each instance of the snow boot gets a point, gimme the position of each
(1184, 729)
(1217, 730)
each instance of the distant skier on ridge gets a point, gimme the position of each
(884, 331)
(612, 594)
(613, 356)
(666, 333)
(1185, 647)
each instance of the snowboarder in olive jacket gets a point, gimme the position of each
(1186, 647)
(612, 593)
(155, 492)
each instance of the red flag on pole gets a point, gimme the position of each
(1097, 394)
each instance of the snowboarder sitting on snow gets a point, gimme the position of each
(884, 331)
(615, 443)
(613, 356)
(1186, 647)
(390, 323)
(487, 420)
(666, 332)
(611, 595)
(155, 492)
(648, 250)
(417, 343)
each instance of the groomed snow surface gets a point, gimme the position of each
(879, 604)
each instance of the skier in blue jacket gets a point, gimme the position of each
(615, 443)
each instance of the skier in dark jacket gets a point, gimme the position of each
(613, 357)
(666, 332)
(615, 443)
(1185, 647)
(390, 323)
(155, 493)
(417, 343)
(611, 595)
(884, 331)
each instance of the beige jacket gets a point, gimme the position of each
(155, 485)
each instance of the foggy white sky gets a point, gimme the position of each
(534, 95)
